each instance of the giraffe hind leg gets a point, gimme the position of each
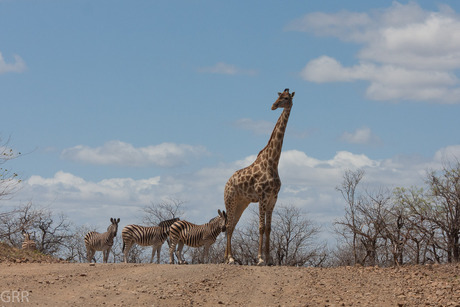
(234, 212)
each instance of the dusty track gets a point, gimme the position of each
(69, 284)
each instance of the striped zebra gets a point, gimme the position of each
(183, 232)
(95, 241)
(28, 243)
(146, 236)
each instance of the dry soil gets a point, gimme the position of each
(83, 284)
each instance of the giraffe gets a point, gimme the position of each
(259, 182)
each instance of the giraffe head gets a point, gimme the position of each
(284, 100)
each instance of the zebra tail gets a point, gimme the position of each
(123, 249)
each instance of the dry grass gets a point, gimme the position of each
(16, 255)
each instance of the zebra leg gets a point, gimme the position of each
(90, 254)
(172, 249)
(180, 260)
(106, 255)
(156, 248)
(158, 253)
(126, 250)
(206, 254)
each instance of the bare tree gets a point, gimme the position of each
(8, 180)
(14, 223)
(49, 232)
(165, 210)
(420, 239)
(348, 189)
(445, 190)
(74, 247)
(293, 237)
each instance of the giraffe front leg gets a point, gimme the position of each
(268, 226)
(261, 234)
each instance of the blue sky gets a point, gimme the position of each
(115, 104)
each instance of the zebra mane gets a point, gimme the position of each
(168, 222)
(213, 219)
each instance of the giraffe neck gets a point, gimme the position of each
(272, 151)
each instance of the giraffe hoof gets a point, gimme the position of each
(231, 261)
(261, 262)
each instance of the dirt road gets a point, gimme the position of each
(71, 284)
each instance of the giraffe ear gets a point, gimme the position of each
(279, 94)
(292, 95)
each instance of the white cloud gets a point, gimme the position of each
(307, 182)
(124, 154)
(72, 188)
(226, 69)
(407, 53)
(360, 136)
(449, 153)
(18, 66)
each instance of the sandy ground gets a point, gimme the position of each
(82, 284)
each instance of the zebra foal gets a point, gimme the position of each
(95, 241)
(28, 243)
(183, 232)
(146, 236)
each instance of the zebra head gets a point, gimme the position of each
(222, 220)
(26, 236)
(113, 228)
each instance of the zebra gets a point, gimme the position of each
(28, 243)
(95, 241)
(183, 232)
(146, 236)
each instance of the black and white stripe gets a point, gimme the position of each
(95, 241)
(183, 232)
(146, 236)
(28, 243)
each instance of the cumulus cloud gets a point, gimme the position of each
(124, 154)
(226, 69)
(307, 182)
(360, 136)
(73, 188)
(18, 66)
(407, 53)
